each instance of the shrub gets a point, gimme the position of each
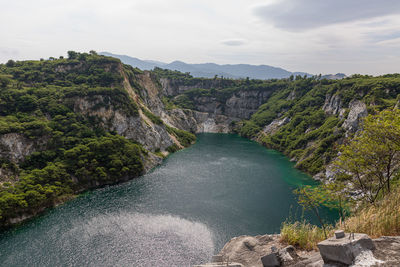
(173, 148)
(155, 119)
(381, 219)
(303, 235)
(185, 138)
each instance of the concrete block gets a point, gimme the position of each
(344, 250)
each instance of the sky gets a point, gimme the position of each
(314, 36)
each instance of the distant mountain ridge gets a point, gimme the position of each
(209, 70)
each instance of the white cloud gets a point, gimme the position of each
(223, 31)
(299, 15)
(234, 42)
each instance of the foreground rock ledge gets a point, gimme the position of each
(247, 251)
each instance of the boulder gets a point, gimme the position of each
(284, 256)
(271, 260)
(345, 250)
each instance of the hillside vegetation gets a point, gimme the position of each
(71, 124)
(49, 149)
(312, 135)
(324, 126)
(366, 187)
(304, 117)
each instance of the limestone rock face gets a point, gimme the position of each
(275, 125)
(332, 104)
(151, 93)
(16, 147)
(241, 105)
(198, 122)
(358, 110)
(137, 128)
(244, 103)
(173, 88)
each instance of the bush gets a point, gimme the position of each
(155, 119)
(381, 219)
(173, 148)
(185, 138)
(250, 129)
(302, 235)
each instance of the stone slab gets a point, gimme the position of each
(344, 250)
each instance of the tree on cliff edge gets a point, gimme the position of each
(371, 160)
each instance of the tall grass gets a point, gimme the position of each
(377, 220)
(380, 219)
(302, 234)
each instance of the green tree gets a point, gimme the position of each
(4, 81)
(72, 54)
(10, 63)
(336, 198)
(371, 159)
(312, 198)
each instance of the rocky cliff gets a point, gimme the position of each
(307, 119)
(77, 124)
(65, 114)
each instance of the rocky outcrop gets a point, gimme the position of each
(151, 93)
(241, 105)
(199, 122)
(264, 250)
(221, 112)
(358, 110)
(275, 125)
(15, 146)
(388, 250)
(139, 128)
(245, 103)
(248, 250)
(332, 105)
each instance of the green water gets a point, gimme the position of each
(177, 215)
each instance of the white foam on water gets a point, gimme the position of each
(135, 239)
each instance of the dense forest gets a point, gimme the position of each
(71, 151)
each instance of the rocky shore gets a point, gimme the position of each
(356, 250)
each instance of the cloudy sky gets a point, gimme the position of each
(315, 36)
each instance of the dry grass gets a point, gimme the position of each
(303, 235)
(381, 219)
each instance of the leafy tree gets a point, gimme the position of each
(336, 198)
(72, 54)
(312, 198)
(10, 63)
(4, 81)
(371, 160)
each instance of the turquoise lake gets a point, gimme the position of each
(179, 214)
